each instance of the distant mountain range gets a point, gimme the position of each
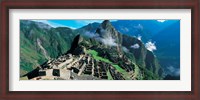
(166, 36)
(116, 42)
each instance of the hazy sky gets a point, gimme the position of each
(72, 23)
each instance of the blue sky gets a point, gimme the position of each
(74, 24)
(68, 23)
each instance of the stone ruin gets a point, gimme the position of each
(69, 67)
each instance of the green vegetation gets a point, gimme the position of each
(148, 75)
(95, 55)
(55, 41)
(118, 68)
(122, 71)
(29, 58)
(137, 73)
(109, 75)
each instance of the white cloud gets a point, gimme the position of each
(49, 23)
(109, 41)
(135, 46)
(125, 49)
(150, 46)
(161, 21)
(139, 37)
(90, 34)
(106, 38)
(174, 71)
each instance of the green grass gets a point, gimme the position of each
(122, 71)
(118, 68)
(95, 55)
(109, 75)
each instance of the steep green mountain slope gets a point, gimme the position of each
(40, 42)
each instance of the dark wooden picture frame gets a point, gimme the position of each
(5, 94)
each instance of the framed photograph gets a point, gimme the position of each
(100, 49)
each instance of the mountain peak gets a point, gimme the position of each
(106, 24)
(106, 21)
(106, 29)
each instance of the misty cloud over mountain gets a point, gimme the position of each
(150, 46)
(135, 46)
